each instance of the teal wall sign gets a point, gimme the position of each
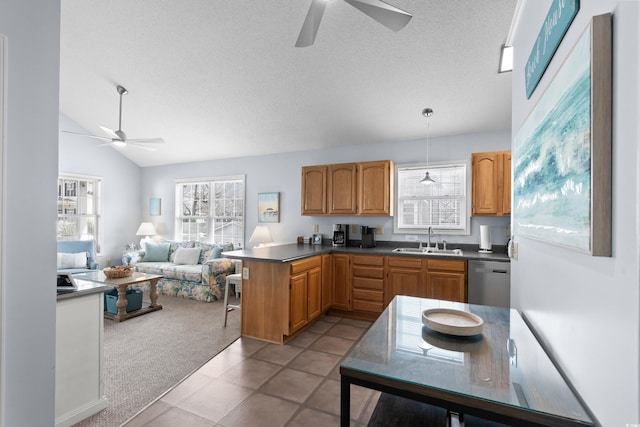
(553, 29)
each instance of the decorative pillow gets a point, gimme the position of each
(216, 252)
(156, 252)
(76, 260)
(187, 256)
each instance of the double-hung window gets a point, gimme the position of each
(442, 205)
(79, 208)
(210, 210)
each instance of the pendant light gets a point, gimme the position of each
(427, 112)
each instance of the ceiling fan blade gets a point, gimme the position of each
(112, 133)
(139, 145)
(311, 23)
(87, 135)
(390, 16)
(147, 141)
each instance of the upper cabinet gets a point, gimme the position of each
(491, 183)
(364, 188)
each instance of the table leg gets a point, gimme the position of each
(153, 294)
(345, 402)
(122, 302)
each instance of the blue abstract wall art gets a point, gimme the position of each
(552, 158)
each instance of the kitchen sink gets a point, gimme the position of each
(430, 251)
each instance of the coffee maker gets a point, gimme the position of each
(368, 236)
(340, 235)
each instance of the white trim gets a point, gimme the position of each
(211, 178)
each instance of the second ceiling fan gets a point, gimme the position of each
(390, 16)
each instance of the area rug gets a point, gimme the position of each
(147, 355)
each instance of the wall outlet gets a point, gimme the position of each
(315, 228)
(354, 229)
(379, 229)
(245, 273)
(411, 237)
(108, 262)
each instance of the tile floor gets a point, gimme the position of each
(252, 383)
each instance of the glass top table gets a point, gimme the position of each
(502, 374)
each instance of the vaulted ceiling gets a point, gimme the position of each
(221, 78)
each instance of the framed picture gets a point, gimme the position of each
(154, 206)
(317, 239)
(562, 152)
(268, 207)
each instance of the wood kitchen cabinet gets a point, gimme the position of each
(491, 187)
(367, 282)
(341, 281)
(348, 189)
(447, 279)
(314, 190)
(405, 276)
(327, 276)
(305, 295)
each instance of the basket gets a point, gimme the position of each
(118, 272)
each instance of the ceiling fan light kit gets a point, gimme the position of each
(117, 137)
(390, 16)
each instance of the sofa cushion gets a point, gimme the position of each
(213, 250)
(152, 267)
(174, 247)
(156, 252)
(72, 260)
(188, 256)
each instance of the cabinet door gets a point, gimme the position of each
(327, 275)
(298, 302)
(342, 189)
(506, 180)
(402, 281)
(485, 177)
(314, 190)
(446, 285)
(341, 282)
(375, 188)
(314, 294)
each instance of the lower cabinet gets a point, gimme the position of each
(405, 276)
(367, 281)
(447, 279)
(327, 277)
(341, 283)
(305, 292)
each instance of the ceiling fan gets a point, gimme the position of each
(117, 137)
(390, 16)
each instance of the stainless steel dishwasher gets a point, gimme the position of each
(489, 283)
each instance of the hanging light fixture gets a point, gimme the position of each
(427, 112)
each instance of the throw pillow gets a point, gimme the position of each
(156, 252)
(187, 256)
(76, 260)
(216, 252)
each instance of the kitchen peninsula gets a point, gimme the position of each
(285, 288)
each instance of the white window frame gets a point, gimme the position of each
(78, 216)
(210, 219)
(420, 169)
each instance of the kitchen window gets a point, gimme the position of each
(79, 208)
(211, 210)
(442, 205)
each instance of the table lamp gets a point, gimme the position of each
(261, 235)
(146, 229)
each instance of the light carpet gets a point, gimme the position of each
(147, 355)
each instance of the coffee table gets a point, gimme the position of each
(122, 284)
(503, 375)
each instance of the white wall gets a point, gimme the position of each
(587, 308)
(282, 173)
(122, 207)
(28, 236)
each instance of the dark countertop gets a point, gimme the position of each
(294, 251)
(84, 288)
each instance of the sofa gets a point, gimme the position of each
(190, 269)
(76, 256)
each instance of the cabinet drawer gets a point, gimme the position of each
(368, 260)
(447, 265)
(405, 262)
(367, 295)
(372, 272)
(305, 264)
(371, 306)
(367, 283)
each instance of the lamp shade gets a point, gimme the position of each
(261, 235)
(146, 229)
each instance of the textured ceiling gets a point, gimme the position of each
(221, 79)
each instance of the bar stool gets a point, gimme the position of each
(236, 281)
